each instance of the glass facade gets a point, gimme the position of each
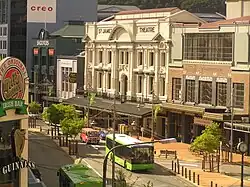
(7, 155)
(18, 29)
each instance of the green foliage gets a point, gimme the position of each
(203, 6)
(72, 126)
(45, 114)
(209, 140)
(34, 107)
(58, 112)
(156, 109)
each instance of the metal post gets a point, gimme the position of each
(153, 122)
(232, 116)
(113, 153)
(242, 170)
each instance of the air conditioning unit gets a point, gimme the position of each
(245, 119)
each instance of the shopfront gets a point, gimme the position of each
(14, 85)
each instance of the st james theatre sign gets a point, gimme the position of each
(12, 86)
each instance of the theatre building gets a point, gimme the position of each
(208, 77)
(128, 55)
(13, 123)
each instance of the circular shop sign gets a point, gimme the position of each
(12, 75)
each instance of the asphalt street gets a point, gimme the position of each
(159, 176)
(48, 157)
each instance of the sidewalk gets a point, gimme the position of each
(184, 155)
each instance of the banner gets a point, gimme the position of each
(17, 104)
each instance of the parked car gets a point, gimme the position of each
(103, 134)
(90, 135)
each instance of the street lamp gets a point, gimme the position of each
(104, 175)
(242, 147)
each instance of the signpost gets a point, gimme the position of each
(242, 147)
(72, 77)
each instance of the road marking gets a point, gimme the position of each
(92, 167)
(97, 146)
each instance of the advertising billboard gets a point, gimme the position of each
(41, 11)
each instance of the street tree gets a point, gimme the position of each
(58, 112)
(91, 101)
(209, 140)
(34, 107)
(45, 114)
(72, 126)
(156, 109)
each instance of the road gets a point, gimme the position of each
(48, 157)
(159, 176)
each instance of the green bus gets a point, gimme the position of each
(78, 175)
(133, 158)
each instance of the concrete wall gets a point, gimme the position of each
(66, 10)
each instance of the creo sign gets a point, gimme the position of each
(41, 8)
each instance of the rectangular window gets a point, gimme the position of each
(140, 58)
(100, 56)
(163, 86)
(100, 80)
(221, 94)
(176, 89)
(1, 31)
(139, 84)
(4, 31)
(151, 84)
(67, 79)
(63, 78)
(213, 47)
(109, 80)
(151, 58)
(163, 59)
(4, 44)
(205, 95)
(127, 57)
(122, 57)
(238, 95)
(190, 91)
(1, 44)
(109, 56)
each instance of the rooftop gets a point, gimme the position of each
(171, 9)
(210, 17)
(70, 30)
(79, 173)
(240, 20)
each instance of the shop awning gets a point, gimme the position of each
(240, 127)
(183, 108)
(127, 109)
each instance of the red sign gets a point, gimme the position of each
(35, 51)
(12, 75)
(41, 8)
(51, 52)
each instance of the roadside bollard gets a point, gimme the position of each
(212, 184)
(198, 179)
(216, 185)
(175, 167)
(193, 177)
(41, 129)
(182, 170)
(172, 165)
(178, 168)
(185, 172)
(48, 132)
(189, 175)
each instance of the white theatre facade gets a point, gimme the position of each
(128, 54)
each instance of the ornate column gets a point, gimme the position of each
(131, 78)
(86, 62)
(157, 76)
(94, 79)
(114, 70)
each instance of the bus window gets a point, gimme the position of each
(143, 155)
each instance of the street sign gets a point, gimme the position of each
(72, 77)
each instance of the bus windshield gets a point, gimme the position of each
(142, 155)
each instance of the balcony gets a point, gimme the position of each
(123, 67)
(99, 66)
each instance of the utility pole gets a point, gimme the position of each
(232, 117)
(113, 153)
(153, 122)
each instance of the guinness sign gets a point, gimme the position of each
(12, 85)
(17, 166)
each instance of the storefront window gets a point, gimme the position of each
(7, 155)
